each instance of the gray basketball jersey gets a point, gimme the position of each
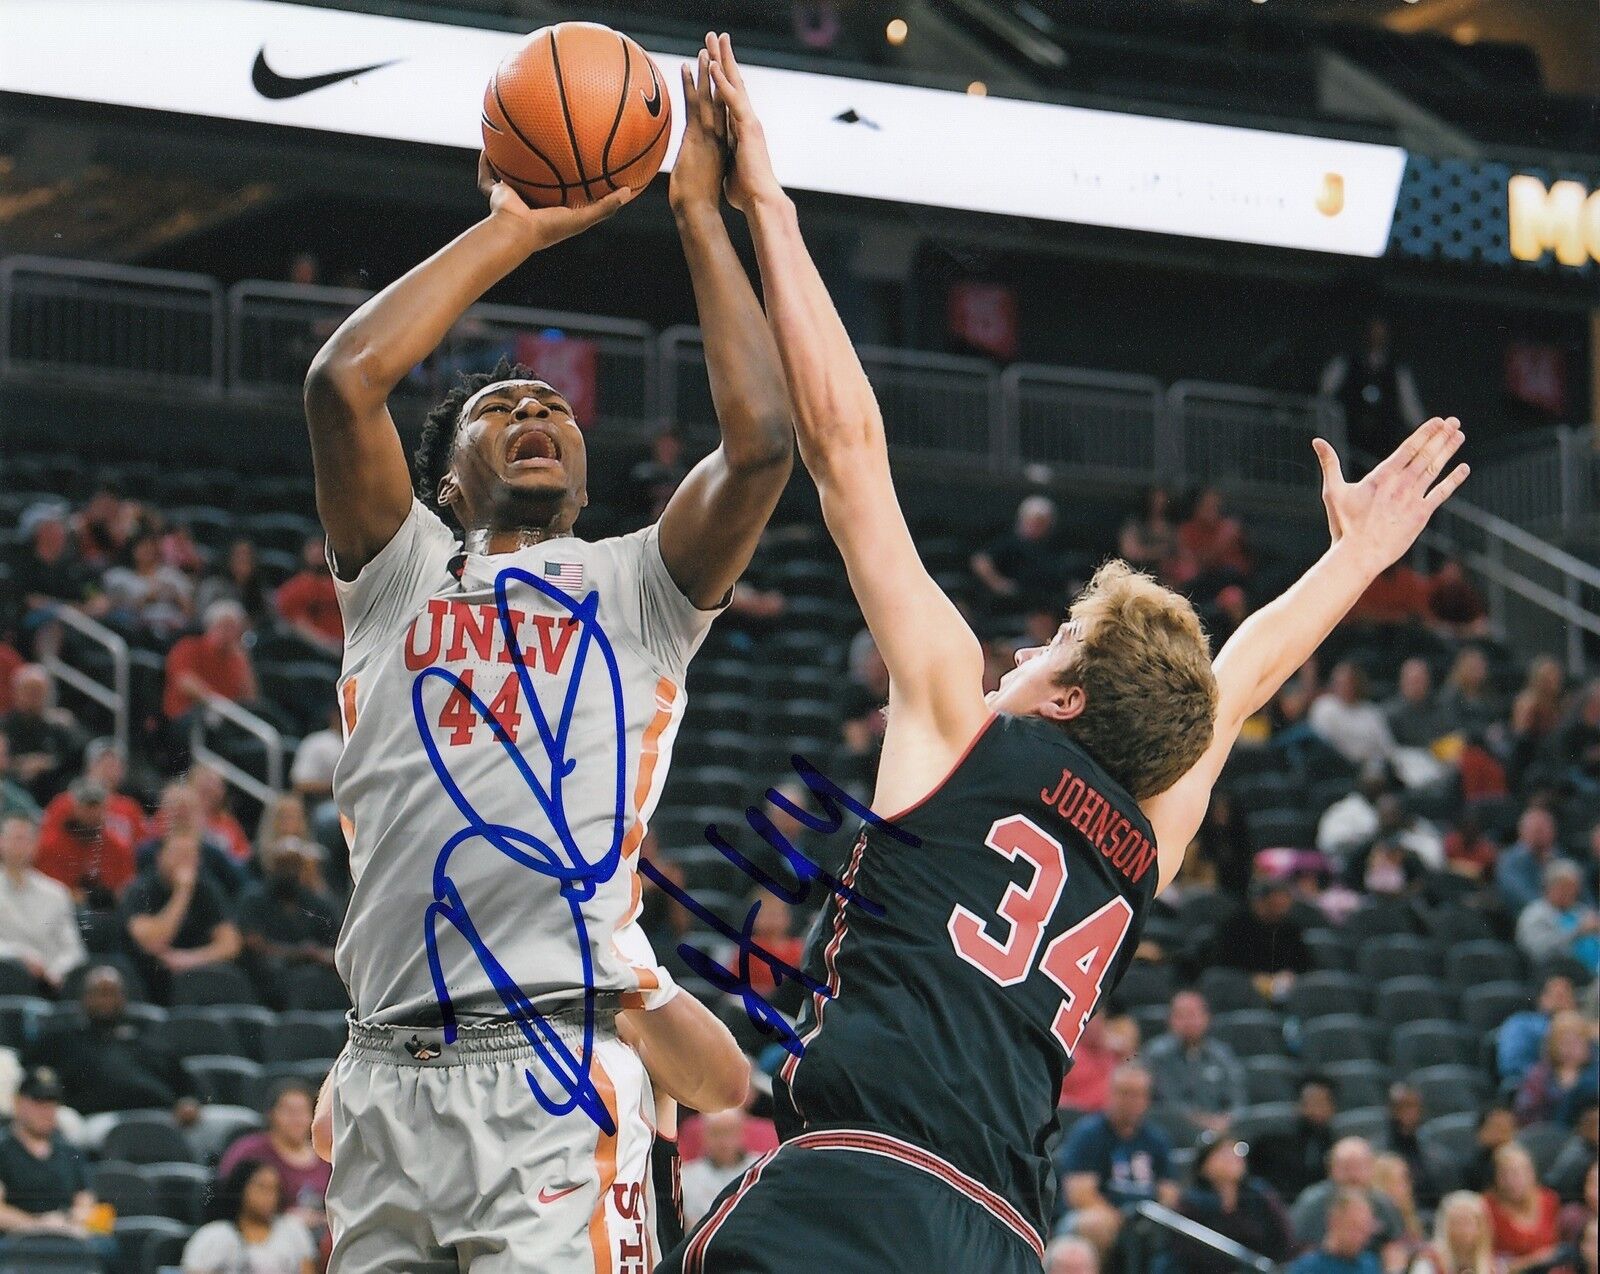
(508, 722)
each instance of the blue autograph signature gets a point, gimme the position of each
(565, 862)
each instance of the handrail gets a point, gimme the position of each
(218, 707)
(1165, 1218)
(116, 697)
(1530, 544)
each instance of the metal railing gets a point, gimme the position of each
(1245, 438)
(274, 330)
(217, 710)
(1099, 424)
(1154, 1227)
(114, 323)
(940, 406)
(1546, 481)
(113, 698)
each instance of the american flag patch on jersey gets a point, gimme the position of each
(564, 574)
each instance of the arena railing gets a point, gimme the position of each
(113, 323)
(275, 329)
(114, 698)
(1098, 424)
(1154, 1227)
(1546, 481)
(1244, 439)
(217, 710)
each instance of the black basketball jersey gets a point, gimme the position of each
(954, 1013)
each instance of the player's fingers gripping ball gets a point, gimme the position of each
(575, 112)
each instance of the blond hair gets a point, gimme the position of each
(1145, 669)
(1481, 1259)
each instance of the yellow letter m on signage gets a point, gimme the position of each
(1565, 219)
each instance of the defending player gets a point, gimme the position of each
(510, 705)
(915, 1125)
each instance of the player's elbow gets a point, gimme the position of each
(727, 1084)
(338, 383)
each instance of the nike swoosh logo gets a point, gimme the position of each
(547, 1195)
(653, 102)
(279, 88)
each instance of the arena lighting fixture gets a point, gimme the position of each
(978, 89)
(896, 31)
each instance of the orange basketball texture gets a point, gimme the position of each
(577, 111)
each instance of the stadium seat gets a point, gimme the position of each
(246, 1023)
(124, 1186)
(1340, 1037)
(1370, 1122)
(311, 1071)
(213, 984)
(18, 1017)
(1385, 956)
(315, 986)
(180, 1190)
(1485, 1007)
(151, 1243)
(233, 1081)
(1457, 926)
(1144, 983)
(1151, 1019)
(48, 1254)
(1331, 950)
(1290, 828)
(1450, 1138)
(1271, 1079)
(1471, 964)
(1379, 918)
(16, 980)
(1448, 1089)
(1411, 999)
(188, 1036)
(1327, 992)
(1250, 1033)
(302, 1036)
(1544, 1142)
(144, 1137)
(1359, 1082)
(1439, 1042)
(1252, 1123)
(218, 1127)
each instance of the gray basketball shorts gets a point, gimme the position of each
(444, 1160)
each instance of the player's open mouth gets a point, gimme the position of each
(533, 446)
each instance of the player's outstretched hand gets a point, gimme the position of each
(702, 163)
(1382, 515)
(751, 179)
(544, 227)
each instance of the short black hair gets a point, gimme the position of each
(436, 445)
(224, 1199)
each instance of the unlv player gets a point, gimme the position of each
(510, 696)
(1050, 813)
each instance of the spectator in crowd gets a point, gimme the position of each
(1560, 923)
(107, 1061)
(175, 918)
(49, 574)
(146, 595)
(38, 926)
(283, 923)
(1586, 1257)
(1069, 1254)
(1540, 699)
(1264, 939)
(1149, 539)
(1572, 1175)
(44, 739)
(1022, 570)
(1522, 1213)
(1213, 545)
(1391, 1177)
(14, 798)
(238, 579)
(657, 476)
(1401, 1138)
(249, 1228)
(104, 763)
(1519, 875)
(180, 814)
(1223, 841)
(1468, 849)
(1462, 1243)
(722, 1158)
(1467, 697)
(1455, 606)
(307, 602)
(1225, 1197)
(79, 848)
(865, 696)
(311, 775)
(1350, 1167)
(1497, 1125)
(44, 1182)
(1579, 741)
(10, 658)
(1415, 719)
(1351, 823)
(1557, 1086)
(1377, 392)
(1114, 1159)
(1227, 612)
(1345, 1241)
(217, 819)
(773, 931)
(1344, 719)
(106, 526)
(1398, 597)
(213, 662)
(285, 1144)
(1416, 835)
(284, 815)
(1296, 1158)
(1196, 1075)
(1107, 1042)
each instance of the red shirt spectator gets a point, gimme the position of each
(1105, 1045)
(79, 845)
(103, 763)
(760, 1136)
(1522, 1213)
(214, 660)
(1397, 596)
(10, 661)
(307, 601)
(1213, 540)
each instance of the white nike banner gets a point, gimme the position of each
(273, 63)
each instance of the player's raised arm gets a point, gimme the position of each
(934, 660)
(710, 527)
(363, 485)
(1372, 523)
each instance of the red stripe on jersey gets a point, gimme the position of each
(695, 1254)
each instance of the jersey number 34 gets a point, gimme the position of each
(1076, 961)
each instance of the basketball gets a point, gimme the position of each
(575, 112)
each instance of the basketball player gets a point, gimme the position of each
(510, 696)
(1050, 812)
